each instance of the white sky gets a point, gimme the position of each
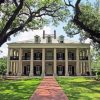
(30, 35)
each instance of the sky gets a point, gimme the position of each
(30, 35)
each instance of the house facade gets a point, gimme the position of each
(48, 55)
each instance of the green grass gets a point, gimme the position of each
(80, 88)
(18, 89)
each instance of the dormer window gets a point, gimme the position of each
(61, 39)
(49, 40)
(37, 39)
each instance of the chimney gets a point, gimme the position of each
(43, 34)
(54, 34)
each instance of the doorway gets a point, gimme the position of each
(37, 70)
(49, 69)
(26, 70)
(71, 70)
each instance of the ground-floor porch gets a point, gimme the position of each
(49, 69)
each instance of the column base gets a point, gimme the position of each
(78, 74)
(7, 74)
(54, 74)
(43, 74)
(19, 74)
(31, 74)
(67, 74)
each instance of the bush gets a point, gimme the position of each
(3, 66)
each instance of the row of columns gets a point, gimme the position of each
(43, 62)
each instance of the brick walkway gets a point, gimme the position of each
(49, 90)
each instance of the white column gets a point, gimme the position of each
(55, 65)
(43, 62)
(20, 63)
(31, 63)
(66, 62)
(77, 62)
(89, 60)
(8, 62)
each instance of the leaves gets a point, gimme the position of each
(31, 14)
(3, 65)
(85, 21)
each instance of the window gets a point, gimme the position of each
(60, 56)
(70, 55)
(38, 55)
(37, 39)
(49, 55)
(61, 39)
(60, 68)
(49, 39)
(37, 67)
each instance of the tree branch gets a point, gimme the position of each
(68, 4)
(93, 34)
(12, 18)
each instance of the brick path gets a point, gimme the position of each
(49, 90)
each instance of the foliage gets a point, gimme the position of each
(21, 15)
(80, 88)
(85, 21)
(3, 65)
(18, 89)
(95, 63)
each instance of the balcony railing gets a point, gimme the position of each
(60, 58)
(37, 58)
(14, 57)
(71, 58)
(83, 57)
(48, 58)
(25, 58)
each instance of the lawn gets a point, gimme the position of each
(18, 89)
(80, 88)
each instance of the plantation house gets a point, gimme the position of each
(48, 55)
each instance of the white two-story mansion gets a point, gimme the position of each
(48, 55)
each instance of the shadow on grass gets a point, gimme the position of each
(18, 90)
(80, 88)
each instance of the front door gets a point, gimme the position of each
(37, 70)
(49, 69)
(26, 70)
(60, 70)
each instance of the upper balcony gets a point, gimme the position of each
(60, 56)
(26, 57)
(37, 56)
(83, 57)
(72, 55)
(14, 57)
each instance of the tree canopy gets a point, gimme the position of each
(21, 15)
(85, 21)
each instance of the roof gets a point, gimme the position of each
(44, 40)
